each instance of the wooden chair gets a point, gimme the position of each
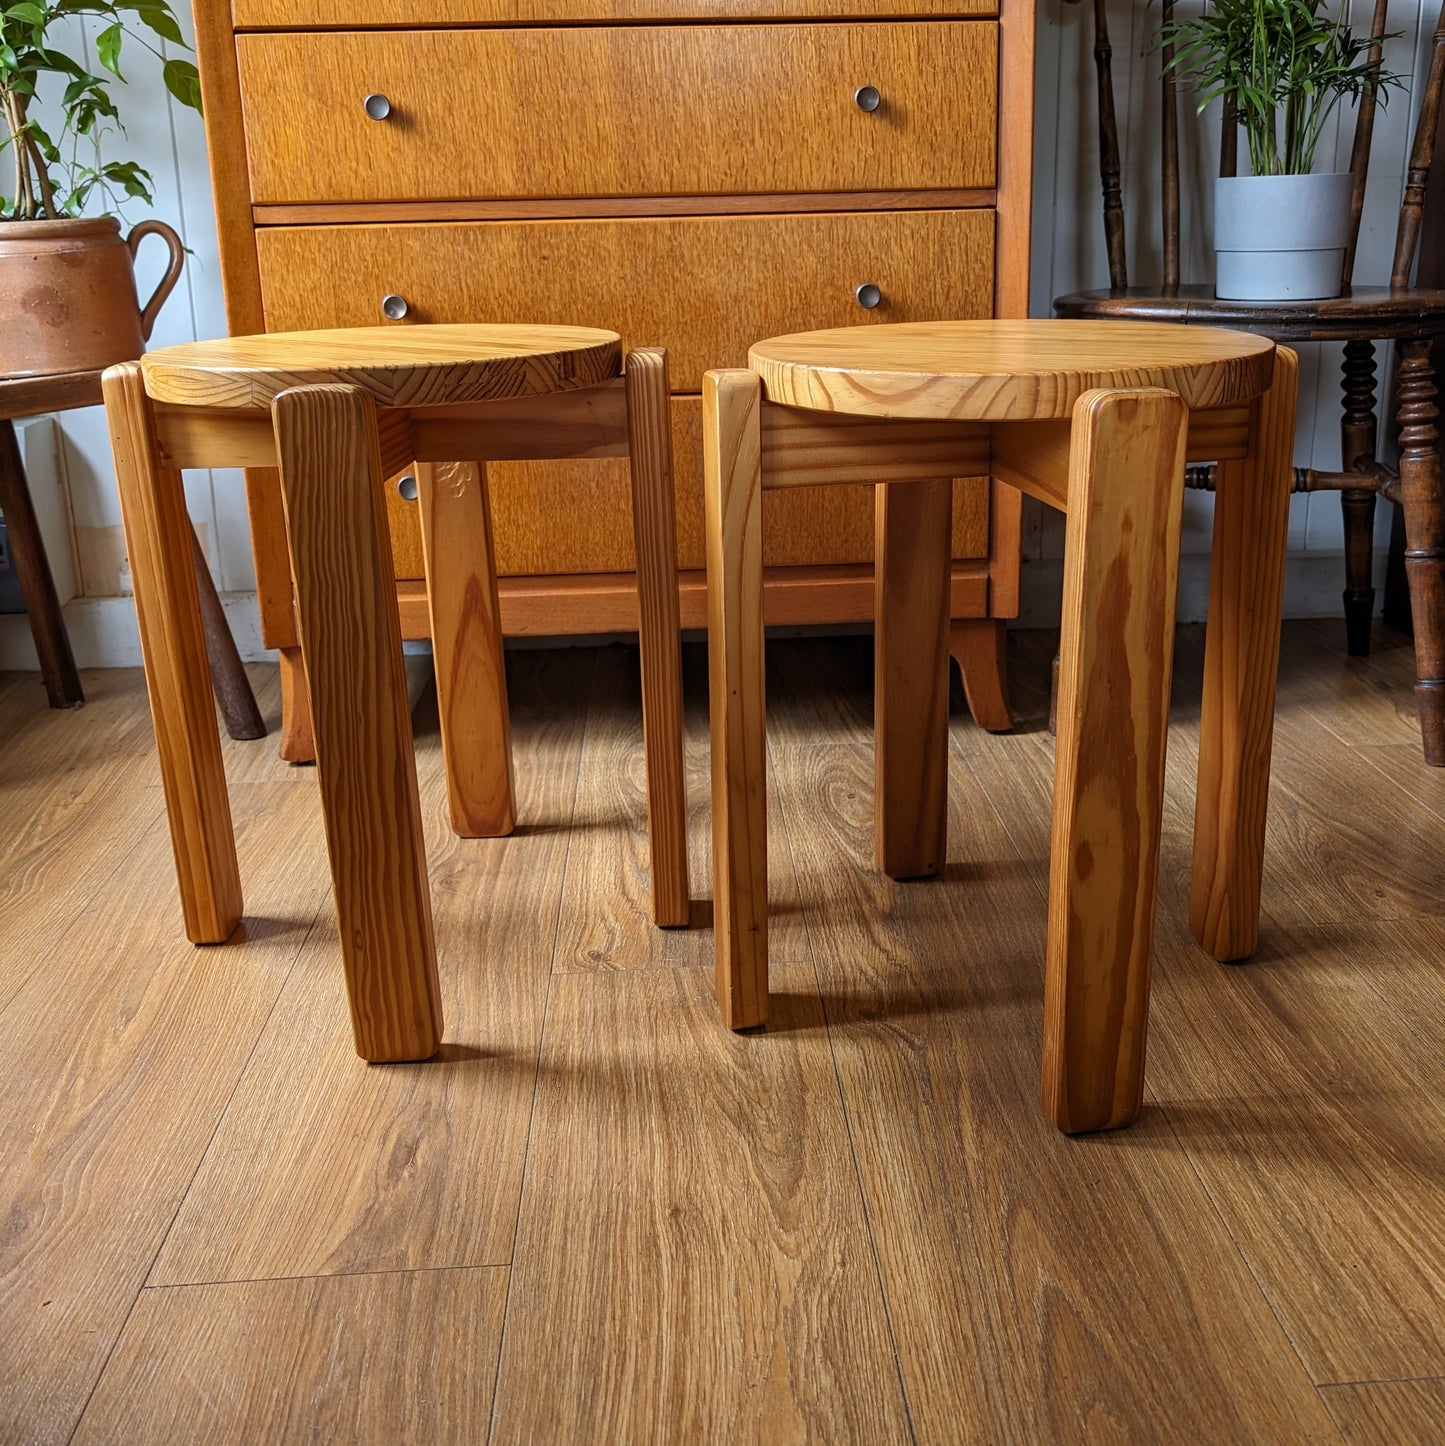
(338, 412)
(29, 397)
(1410, 315)
(1096, 420)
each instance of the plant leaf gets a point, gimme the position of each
(183, 82)
(107, 45)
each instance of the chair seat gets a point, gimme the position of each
(1365, 313)
(401, 366)
(1004, 370)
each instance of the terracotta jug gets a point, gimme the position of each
(67, 294)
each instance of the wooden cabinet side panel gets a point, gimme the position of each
(348, 14)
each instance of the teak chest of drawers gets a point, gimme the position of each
(695, 174)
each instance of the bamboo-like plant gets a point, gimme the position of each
(58, 171)
(1285, 66)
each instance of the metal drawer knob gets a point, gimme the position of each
(866, 97)
(868, 295)
(378, 107)
(394, 307)
(406, 488)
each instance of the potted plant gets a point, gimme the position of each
(1281, 66)
(67, 287)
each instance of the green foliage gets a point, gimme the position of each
(52, 177)
(1284, 64)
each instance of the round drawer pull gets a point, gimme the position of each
(866, 97)
(378, 107)
(406, 488)
(868, 295)
(394, 307)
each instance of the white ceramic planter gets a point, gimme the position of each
(1280, 238)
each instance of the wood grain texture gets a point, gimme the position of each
(1021, 1267)
(1246, 595)
(398, 366)
(273, 14)
(654, 531)
(732, 464)
(378, 1358)
(1121, 570)
(283, 1190)
(466, 638)
(159, 544)
(298, 736)
(120, 1056)
(351, 641)
(1005, 371)
(1387, 1413)
(910, 708)
(711, 129)
(764, 275)
(739, 1300)
(30, 396)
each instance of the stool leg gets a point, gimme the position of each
(159, 543)
(732, 483)
(466, 633)
(326, 441)
(1241, 662)
(910, 677)
(47, 625)
(654, 534)
(1121, 566)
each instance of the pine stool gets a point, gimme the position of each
(1094, 418)
(338, 412)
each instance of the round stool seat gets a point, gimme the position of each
(1005, 370)
(401, 366)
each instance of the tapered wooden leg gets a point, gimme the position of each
(42, 603)
(228, 673)
(979, 647)
(1423, 502)
(732, 473)
(298, 739)
(326, 441)
(159, 544)
(910, 677)
(654, 532)
(1241, 662)
(466, 640)
(1121, 567)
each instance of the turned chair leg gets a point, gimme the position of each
(160, 544)
(654, 533)
(42, 604)
(732, 472)
(1236, 720)
(1424, 507)
(330, 460)
(1121, 562)
(466, 632)
(1357, 504)
(910, 678)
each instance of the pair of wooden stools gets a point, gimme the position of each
(1096, 419)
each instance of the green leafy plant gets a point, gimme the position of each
(1285, 66)
(57, 171)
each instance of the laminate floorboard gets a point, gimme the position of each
(323, 1165)
(1389, 1413)
(403, 1356)
(854, 1225)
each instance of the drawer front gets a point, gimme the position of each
(575, 517)
(335, 14)
(622, 111)
(706, 288)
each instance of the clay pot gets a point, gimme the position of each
(67, 294)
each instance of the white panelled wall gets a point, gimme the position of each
(69, 459)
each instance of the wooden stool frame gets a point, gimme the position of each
(1117, 469)
(335, 446)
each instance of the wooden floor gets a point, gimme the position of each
(600, 1217)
